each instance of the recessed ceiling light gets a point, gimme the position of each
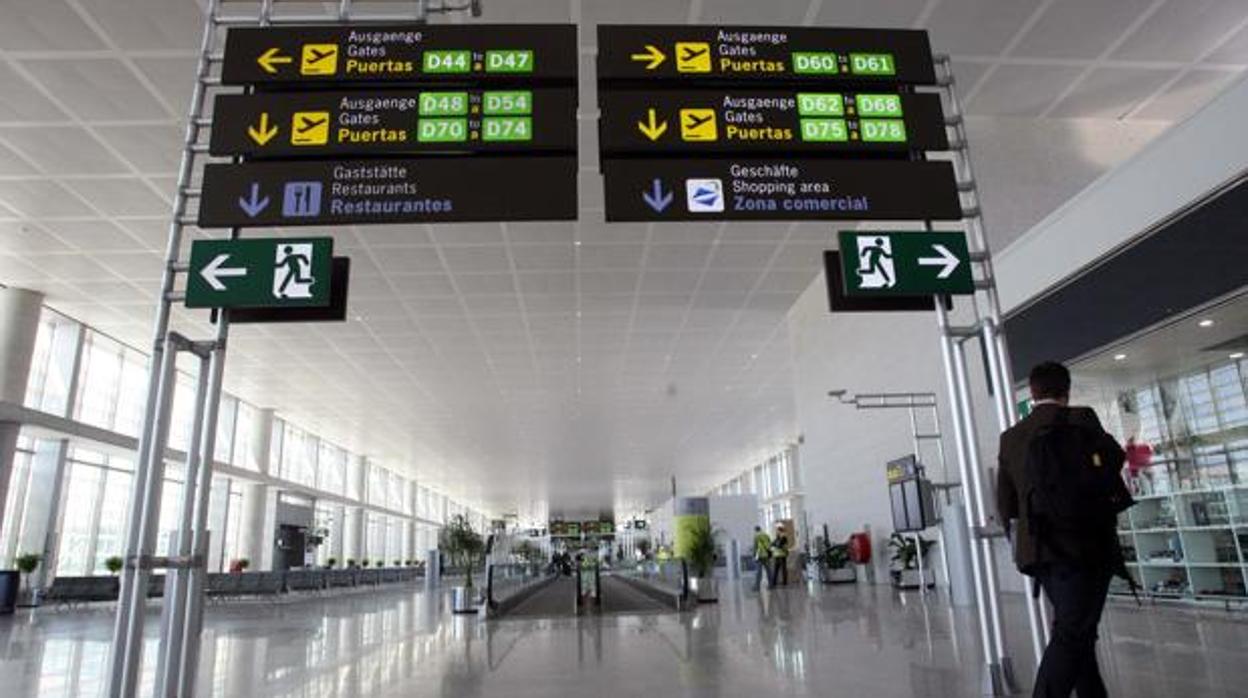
(1205, 323)
(1237, 355)
(1120, 357)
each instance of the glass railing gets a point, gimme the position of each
(504, 580)
(669, 575)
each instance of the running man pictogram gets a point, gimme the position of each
(875, 257)
(292, 263)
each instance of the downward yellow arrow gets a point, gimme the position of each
(653, 128)
(263, 133)
(652, 56)
(269, 60)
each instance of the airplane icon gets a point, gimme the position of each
(319, 59)
(693, 57)
(689, 54)
(698, 125)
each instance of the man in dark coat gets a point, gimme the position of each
(1077, 589)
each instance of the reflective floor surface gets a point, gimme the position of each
(843, 642)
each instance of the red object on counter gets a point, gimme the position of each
(860, 548)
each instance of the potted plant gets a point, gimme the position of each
(905, 561)
(26, 565)
(835, 567)
(398, 563)
(463, 547)
(350, 563)
(364, 564)
(643, 548)
(114, 565)
(331, 563)
(700, 556)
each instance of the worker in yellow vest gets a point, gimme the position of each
(762, 558)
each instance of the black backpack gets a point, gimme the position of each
(1074, 493)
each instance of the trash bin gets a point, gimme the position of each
(10, 580)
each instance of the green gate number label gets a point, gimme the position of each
(442, 130)
(878, 105)
(504, 103)
(507, 128)
(825, 130)
(509, 61)
(883, 130)
(816, 63)
(443, 103)
(443, 62)
(872, 64)
(820, 104)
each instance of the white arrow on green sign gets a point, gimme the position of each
(260, 273)
(905, 263)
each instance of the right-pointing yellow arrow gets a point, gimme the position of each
(652, 127)
(652, 56)
(263, 133)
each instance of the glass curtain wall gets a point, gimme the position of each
(109, 393)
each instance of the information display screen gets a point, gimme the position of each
(800, 121)
(779, 189)
(398, 121)
(400, 53)
(772, 55)
(293, 193)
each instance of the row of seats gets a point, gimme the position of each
(69, 591)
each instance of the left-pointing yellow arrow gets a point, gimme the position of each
(269, 60)
(263, 132)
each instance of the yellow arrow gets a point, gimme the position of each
(652, 55)
(269, 60)
(264, 133)
(654, 129)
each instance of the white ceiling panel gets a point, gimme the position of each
(1184, 29)
(751, 12)
(95, 235)
(151, 149)
(1186, 96)
(18, 238)
(63, 150)
(977, 27)
(148, 24)
(38, 199)
(22, 101)
(45, 25)
(1111, 93)
(97, 89)
(1022, 90)
(13, 163)
(1234, 50)
(869, 13)
(121, 196)
(1078, 28)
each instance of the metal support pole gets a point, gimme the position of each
(149, 481)
(175, 579)
(993, 677)
(193, 618)
(122, 668)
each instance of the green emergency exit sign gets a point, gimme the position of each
(260, 273)
(905, 263)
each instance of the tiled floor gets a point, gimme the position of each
(831, 641)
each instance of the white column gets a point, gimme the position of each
(259, 507)
(218, 516)
(353, 535)
(44, 498)
(336, 534)
(19, 325)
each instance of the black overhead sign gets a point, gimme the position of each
(770, 55)
(800, 121)
(427, 190)
(775, 189)
(423, 53)
(365, 123)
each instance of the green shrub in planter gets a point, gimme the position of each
(364, 563)
(398, 563)
(114, 564)
(350, 563)
(700, 553)
(331, 563)
(461, 545)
